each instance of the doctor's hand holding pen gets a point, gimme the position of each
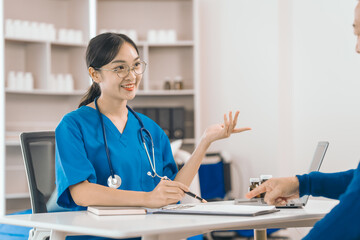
(165, 193)
(278, 190)
(189, 170)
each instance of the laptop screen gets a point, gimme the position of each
(318, 156)
(316, 163)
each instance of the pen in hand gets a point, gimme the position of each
(188, 193)
(196, 197)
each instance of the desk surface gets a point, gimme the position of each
(83, 222)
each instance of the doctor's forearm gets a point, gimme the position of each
(189, 170)
(87, 194)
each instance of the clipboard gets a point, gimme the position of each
(216, 209)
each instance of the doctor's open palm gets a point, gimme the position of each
(220, 131)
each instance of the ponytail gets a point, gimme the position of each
(93, 92)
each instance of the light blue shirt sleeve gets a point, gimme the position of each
(72, 164)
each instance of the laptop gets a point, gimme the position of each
(301, 202)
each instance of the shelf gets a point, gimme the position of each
(184, 43)
(24, 40)
(185, 92)
(47, 92)
(29, 40)
(66, 44)
(12, 143)
(12, 138)
(17, 195)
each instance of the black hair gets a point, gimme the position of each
(101, 50)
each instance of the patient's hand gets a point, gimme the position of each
(278, 190)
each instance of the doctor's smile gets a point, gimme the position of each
(128, 87)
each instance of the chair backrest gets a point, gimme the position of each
(38, 150)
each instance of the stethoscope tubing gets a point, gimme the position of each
(142, 135)
(105, 141)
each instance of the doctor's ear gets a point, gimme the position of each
(95, 75)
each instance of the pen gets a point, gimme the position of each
(196, 197)
(187, 193)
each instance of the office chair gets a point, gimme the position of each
(38, 150)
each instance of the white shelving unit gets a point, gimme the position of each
(42, 107)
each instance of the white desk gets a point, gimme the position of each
(164, 226)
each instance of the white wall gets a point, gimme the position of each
(291, 68)
(239, 71)
(326, 80)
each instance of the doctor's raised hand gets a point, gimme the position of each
(211, 134)
(220, 131)
(106, 153)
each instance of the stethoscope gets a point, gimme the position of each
(114, 180)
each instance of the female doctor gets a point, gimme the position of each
(106, 154)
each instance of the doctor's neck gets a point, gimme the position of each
(113, 107)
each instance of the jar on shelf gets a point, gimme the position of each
(167, 83)
(178, 83)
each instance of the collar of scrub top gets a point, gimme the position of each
(115, 178)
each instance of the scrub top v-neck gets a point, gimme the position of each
(80, 153)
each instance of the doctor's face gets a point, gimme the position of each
(118, 78)
(356, 26)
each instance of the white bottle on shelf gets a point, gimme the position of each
(60, 83)
(69, 83)
(171, 36)
(152, 36)
(26, 30)
(17, 28)
(42, 31)
(20, 81)
(78, 36)
(133, 35)
(53, 83)
(62, 35)
(11, 83)
(35, 30)
(28, 81)
(51, 32)
(162, 36)
(70, 36)
(9, 28)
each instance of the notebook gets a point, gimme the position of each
(315, 165)
(107, 211)
(218, 208)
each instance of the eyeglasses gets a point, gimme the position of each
(123, 70)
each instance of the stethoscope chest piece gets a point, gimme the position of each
(114, 182)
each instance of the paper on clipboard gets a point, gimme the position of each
(216, 209)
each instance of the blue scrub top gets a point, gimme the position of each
(81, 155)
